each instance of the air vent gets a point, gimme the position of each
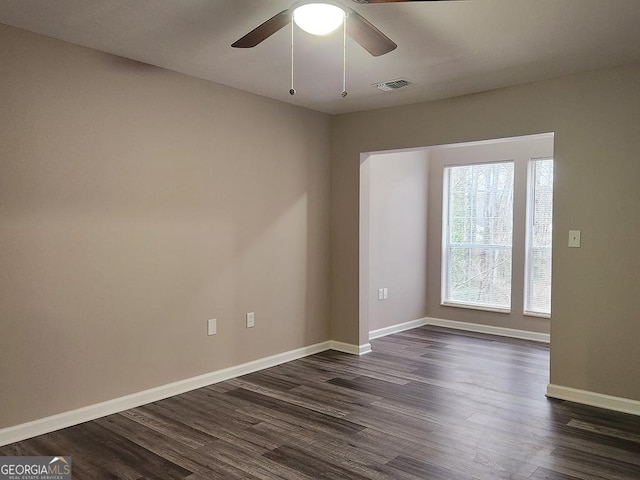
(392, 84)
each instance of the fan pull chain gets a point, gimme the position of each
(344, 56)
(292, 91)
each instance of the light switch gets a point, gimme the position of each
(385, 293)
(574, 238)
(212, 326)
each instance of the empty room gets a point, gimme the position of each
(235, 246)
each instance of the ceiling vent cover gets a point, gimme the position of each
(392, 84)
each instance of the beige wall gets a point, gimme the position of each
(136, 203)
(397, 257)
(596, 120)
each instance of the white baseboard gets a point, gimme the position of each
(491, 330)
(91, 412)
(400, 327)
(593, 399)
(467, 326)
(350, 348)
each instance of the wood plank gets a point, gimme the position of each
(426, 403)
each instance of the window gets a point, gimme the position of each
(477, 235)
(537, 295)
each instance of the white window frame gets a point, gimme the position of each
(530, 206)
(445, 301)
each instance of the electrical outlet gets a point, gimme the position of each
(380, 294)
(250, 320)
(212, 326)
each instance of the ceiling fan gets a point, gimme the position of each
(360, 29)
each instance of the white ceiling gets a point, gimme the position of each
(445, 48)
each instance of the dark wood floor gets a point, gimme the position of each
(426, 404)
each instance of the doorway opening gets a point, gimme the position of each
(432, 255)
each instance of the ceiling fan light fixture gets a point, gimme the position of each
(318, 18)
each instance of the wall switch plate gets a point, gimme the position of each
(250, 320)
(385, 293)
(380, 294)
(212, 326)
(574, 238)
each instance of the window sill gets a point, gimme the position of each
(537, 315)
(476, 307)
